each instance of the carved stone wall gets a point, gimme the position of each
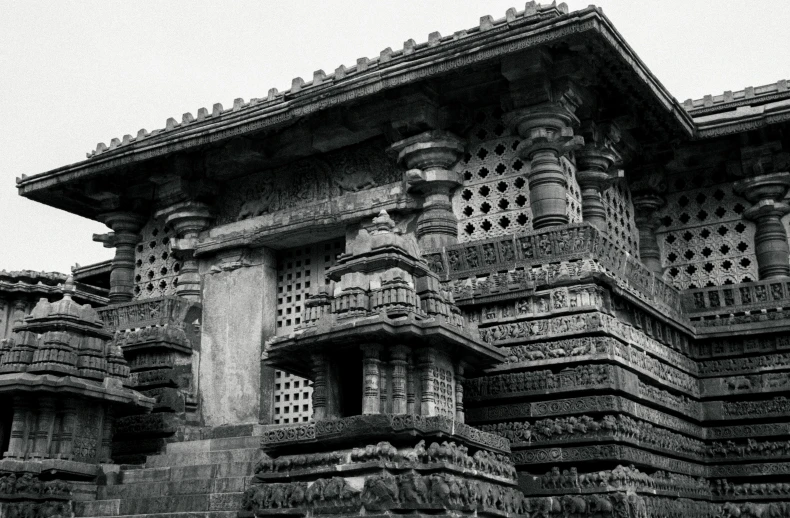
(155, 269)
(704, 241)
(307, 181)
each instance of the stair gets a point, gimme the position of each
(192, 479)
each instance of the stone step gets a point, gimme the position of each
(205, 514)
(190, 486)
(176, 473)
(202, 457)
(188, 503)
(218, 444)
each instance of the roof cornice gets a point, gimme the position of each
(415, 62)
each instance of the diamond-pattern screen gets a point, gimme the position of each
(156, 270)
(494, 198)
(703, 237)
(300, 272)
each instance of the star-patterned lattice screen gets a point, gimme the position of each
(703, 237)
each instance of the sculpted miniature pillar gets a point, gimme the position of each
(430, 157)
(319, 386)
(427, 365)
(594, 173)
(548, 134)
(188, 219)
(17, 446)
(66, 446)
(398, 355)
(765, 192)
(370, 371)
(645, 207)
(459, 392)
(411, 396)
(19, 312)
(44, 427)
(124, 237)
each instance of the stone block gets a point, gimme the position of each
(231, 443)
(239, 311)
(197, 471)
(225, 501)
(230, 484)
(97, 508)
(188, 446)
(145, 475)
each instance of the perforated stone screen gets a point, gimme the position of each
(703, 238)
(494, 199)
(156, 270)
(300, 271)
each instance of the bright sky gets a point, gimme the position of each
(74, 73)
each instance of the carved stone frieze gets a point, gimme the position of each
(307, 181)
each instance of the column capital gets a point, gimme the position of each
(764, 187)
(547, 126)
(765, 192)
(430, 158)
(188, 219)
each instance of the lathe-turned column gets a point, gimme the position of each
(370, 371)
(426, 361)
(124, 237)
(319, 386)
(547, 131)
(459, 392)
(765, 192)
(399, 362)
(645, 207)
(430, 158)
(595, 171)
(188, 219)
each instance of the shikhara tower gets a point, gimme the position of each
(502, 272)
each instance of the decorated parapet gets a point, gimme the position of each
(387, 350)
(64, 382)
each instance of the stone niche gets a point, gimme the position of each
(62, 383)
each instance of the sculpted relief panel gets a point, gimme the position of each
(307, 181)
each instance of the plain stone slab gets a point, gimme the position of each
(97, 508)
(145, 475)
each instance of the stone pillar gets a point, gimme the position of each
(427, 368)
(430, 158)
(398, 360)
(459, 392)
(645, 207)
(370, 372)
(69, 421)
(411, 395)
(239, 312)
(105, 451)
(548, 134)
(595, 171)
(319, 386)
(188, 219)
(44, 427)
(17, 446)
(124, 237)
(766, 192)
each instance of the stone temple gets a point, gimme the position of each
(501, 273)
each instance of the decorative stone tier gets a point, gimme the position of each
(393, 427)
(332, 335)
(158, 337)
(566, 243)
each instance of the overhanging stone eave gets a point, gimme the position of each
(26, 383)
(291, 353)
(401, 70)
